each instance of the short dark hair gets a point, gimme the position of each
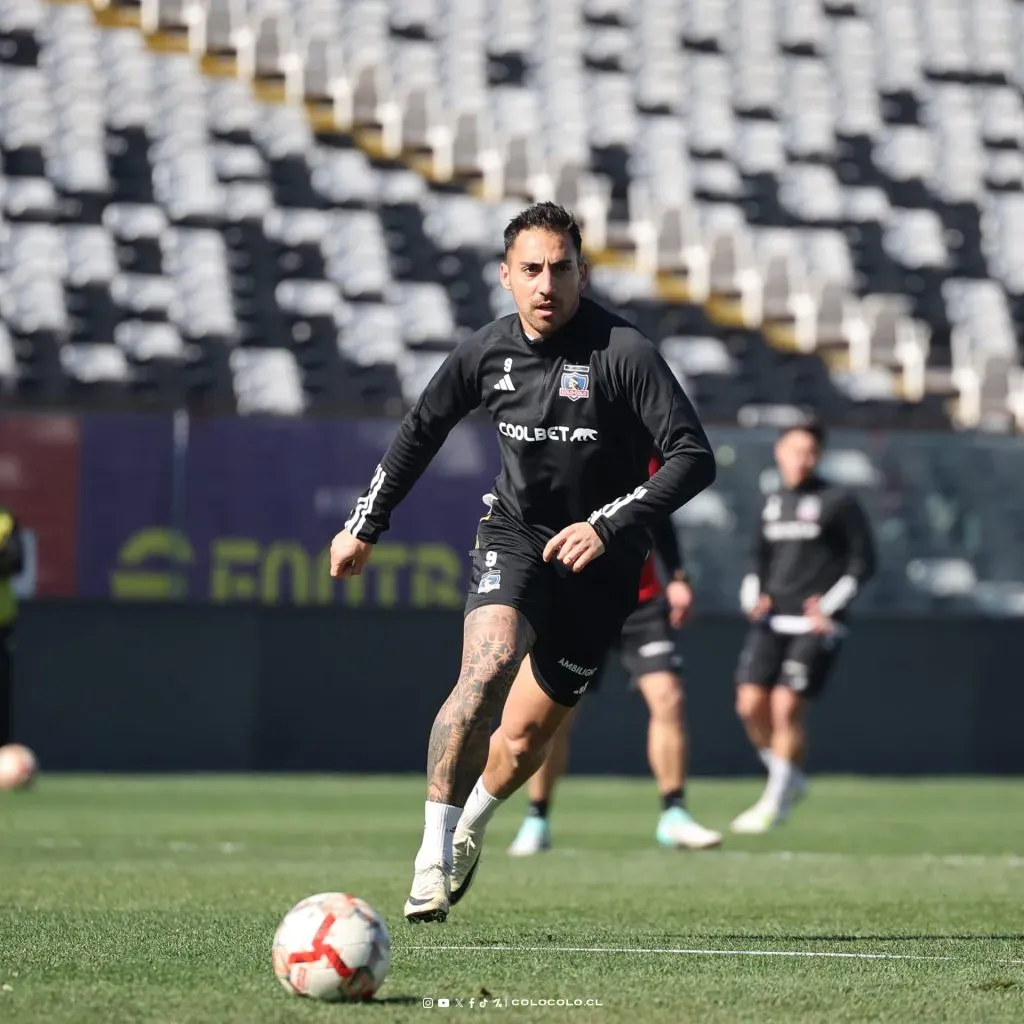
(813, 427)
(548, 216)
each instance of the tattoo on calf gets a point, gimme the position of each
(495, 641)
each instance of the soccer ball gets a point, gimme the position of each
(332, 947)
(17, 766)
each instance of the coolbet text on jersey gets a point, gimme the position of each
(575, 416)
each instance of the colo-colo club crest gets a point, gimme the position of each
(575, 382)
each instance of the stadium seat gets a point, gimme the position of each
(142, 341)
(91, 363)
(267, 381)
(942, 577)
(8, 361)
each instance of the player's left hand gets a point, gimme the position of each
(820, 622)
(680, 602)
(349, 555)
(576, 546)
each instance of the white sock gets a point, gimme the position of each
(438, 831)
(765, 754)
(780, 776)
(479, 810)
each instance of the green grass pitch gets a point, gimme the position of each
(155, 900)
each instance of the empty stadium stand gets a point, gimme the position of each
(290, 206)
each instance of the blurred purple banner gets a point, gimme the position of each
(244, 510)
(126, 548)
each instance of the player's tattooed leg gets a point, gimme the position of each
(496, 638)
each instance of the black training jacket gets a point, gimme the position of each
(575, 415)
(812, 541)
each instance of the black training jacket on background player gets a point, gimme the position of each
(813, 540)
(575, 415)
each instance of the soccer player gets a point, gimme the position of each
(579, 399)
(11, 559)
(814, 553)
(649, 655)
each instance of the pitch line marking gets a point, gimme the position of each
(955, 860)
(692, 952)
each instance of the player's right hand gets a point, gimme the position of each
(349, 555)
(762, 608)
(680, 602)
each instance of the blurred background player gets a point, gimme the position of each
(649, 655)
(814, 553)
(11, 558)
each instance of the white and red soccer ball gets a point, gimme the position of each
(17, 766)
(332, 947)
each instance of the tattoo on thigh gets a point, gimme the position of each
(496, 638)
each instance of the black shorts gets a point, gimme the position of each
(801, 662)
(647, 643)
(577, 617)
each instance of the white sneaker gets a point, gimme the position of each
(769, 813)
(466, 848)
(429, 898)
(760, 818)
(677, 829)
(534, 836)
(797, 790)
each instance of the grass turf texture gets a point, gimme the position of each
(155, 900)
